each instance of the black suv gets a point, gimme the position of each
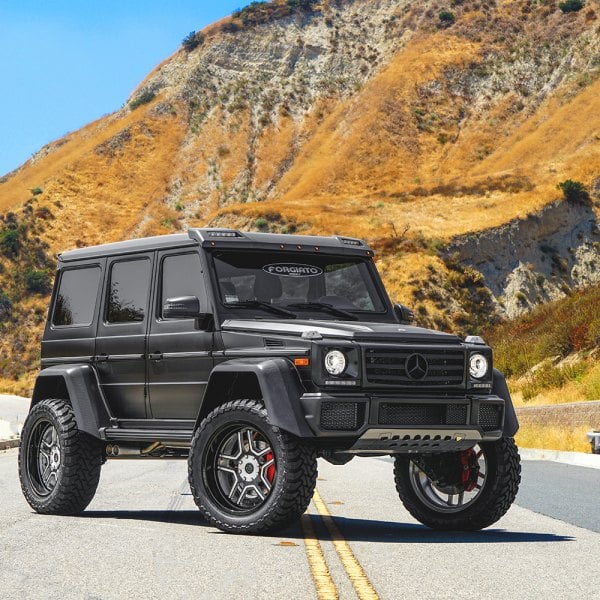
(251, 355)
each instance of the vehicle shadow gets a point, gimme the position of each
(367, 530)
(353, 530)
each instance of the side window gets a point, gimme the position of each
(76, 297)
(128, 291)
(181, 276)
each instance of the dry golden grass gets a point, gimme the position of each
(548, 437)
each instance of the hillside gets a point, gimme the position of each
(439, 131)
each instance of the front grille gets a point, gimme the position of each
(411, 367)
(490, 416)
(422, 414)
(342, 416)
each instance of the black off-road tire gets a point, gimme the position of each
(494, 500)
(294, 481)
(81, 460)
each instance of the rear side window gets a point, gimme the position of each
(128, 291)
(76, 298)
(182, 276)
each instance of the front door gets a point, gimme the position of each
(179, 355)
(122, 329)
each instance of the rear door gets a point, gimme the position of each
(179, 355)
(122, 329)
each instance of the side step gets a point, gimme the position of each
(148, 435)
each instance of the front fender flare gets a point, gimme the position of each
(500, 389)
(79, 385)
(280, 390)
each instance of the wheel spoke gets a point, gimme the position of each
(234, 487)
(261, 453)
(228, 457)
(46, 474)
(250, 440)
(227, 470)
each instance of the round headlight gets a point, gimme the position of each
(335, 362)
(478, 365)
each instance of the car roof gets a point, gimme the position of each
(222, 238)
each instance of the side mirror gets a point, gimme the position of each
(404, 314)
(186, 307)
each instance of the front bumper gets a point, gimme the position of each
(384, 423)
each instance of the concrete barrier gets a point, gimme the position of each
(569, 415)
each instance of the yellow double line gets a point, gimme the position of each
(324, 584)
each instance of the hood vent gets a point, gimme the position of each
(274, 343)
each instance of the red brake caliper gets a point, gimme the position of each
(270, 468)
(470, 469)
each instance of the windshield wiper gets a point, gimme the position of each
(324, 306)
(265, 305)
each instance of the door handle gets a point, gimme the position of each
(102, 357)
(156, 356)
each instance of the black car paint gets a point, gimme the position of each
(157, 379)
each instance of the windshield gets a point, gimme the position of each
(337, 286)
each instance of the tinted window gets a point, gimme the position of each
(345, 280)
(128, 295)
(76, 297)
(182, 276)
(286, 280)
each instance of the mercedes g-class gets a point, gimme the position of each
(251, 355)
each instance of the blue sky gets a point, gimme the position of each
(67, 62)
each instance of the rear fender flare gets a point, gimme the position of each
(77, 384)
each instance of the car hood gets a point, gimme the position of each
(352, 330)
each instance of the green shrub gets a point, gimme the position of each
(142, 98)
(5, 306)
(574, 191)
(36, 191)
(571, 5)
(10, 242)
(521, 297)
(37, 282)
(301, 3)
(549, 377)
(556, 328)
(230, 27)
(192, 40)
(261, 223)
(447, 17)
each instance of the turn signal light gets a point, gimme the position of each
(302, 362)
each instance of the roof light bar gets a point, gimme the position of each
(351, 242)
(224, 234)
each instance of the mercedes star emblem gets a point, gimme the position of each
(416, 366)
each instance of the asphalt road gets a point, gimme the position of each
(143, 538)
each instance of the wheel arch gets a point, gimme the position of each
(78, 385)
(500, 389)
(275, 381)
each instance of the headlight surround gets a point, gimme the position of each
(335, 362)
(478, 365)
